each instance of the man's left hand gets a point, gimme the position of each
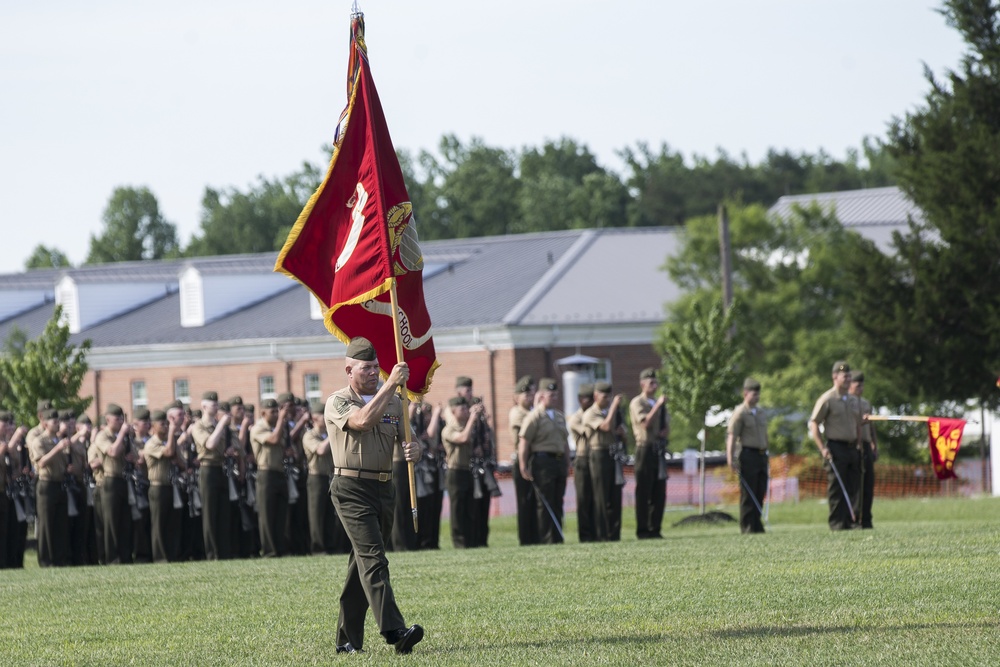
(411, 451)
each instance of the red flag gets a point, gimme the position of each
(356, 235)
(946, 438)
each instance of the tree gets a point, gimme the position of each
(46, 367)
(932, 309)
(667, 190)
(702, 366)
(134, 229)
(563, 187)
(258, 220)
(476, 190)
(44, 257)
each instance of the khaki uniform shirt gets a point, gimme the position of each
(515, 419)
(318, 465)
(838, 414)
(596, 438)
(269, 457)
(55, 471)
(459, 455)
(94, 454)
(638, 408)
(544, 433)
(201, 431)
(78, 457)
(866, 427)
(113, 466)
(33, 434)
(749, 429)
(157, 464)
(362, 450)
(579, 433)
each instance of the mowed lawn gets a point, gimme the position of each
(923, 588)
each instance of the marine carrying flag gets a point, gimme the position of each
(357, 235)
(946, 438)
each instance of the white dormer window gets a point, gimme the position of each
(68, 296)
(315, 308)
(192, 298)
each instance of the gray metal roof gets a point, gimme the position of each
(573, 277)
(616, 277)
(857, 208)
(494, 275)
(32, 322)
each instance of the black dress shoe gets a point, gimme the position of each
(349, 648)
(407, 638)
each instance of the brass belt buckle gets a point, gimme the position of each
(384, 476)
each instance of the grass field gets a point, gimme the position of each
(923, 588)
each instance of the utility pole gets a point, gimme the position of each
(727, 262)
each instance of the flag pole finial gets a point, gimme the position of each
(355, 10)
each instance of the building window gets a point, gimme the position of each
(602, 371)
(312, 391)
(182, 391)
(139, 399)
(267, 387)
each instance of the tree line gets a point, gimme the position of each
(468, 189)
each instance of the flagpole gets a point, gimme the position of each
(408, 435)
(897, 418)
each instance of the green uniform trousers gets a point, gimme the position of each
(404, 538)
(527, 516)
(322, 518)
(50, 515)
(459, 485)
(607, 497)
(117, 521)
(753, 473)
(272, 512)
(584, 486)
(650, 492)
(215, 508)
(549, 473)
(846, 457)
(366, 509)
(863, 506)
(164, 524)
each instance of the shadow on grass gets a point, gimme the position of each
(805, 630)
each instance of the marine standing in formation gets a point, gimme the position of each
(605, 432)
(159, 452)
(869, 453)
(364, 422)
(839, 414)
(457, 440)
(651, 427)
(267, 437)
(582, 480)
(543, 455)
(527, 519)
(746, 454)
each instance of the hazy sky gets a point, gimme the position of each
(182, 95)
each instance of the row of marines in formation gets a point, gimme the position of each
(218, 483)
(169, 485)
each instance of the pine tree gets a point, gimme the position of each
(933, 309)
(46, 367)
